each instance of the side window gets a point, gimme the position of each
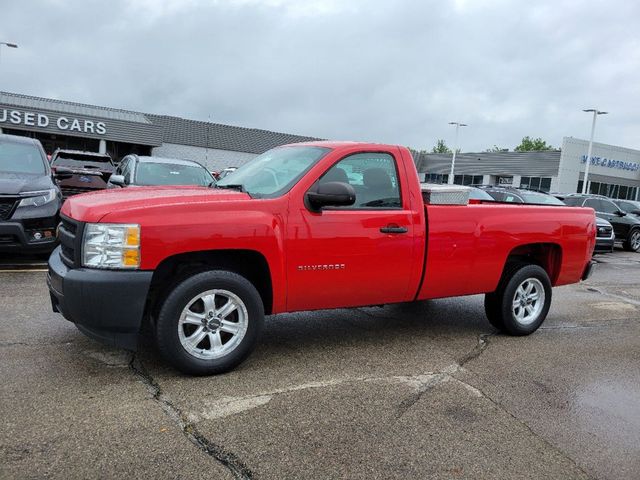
(372, 175)
(593, 203)
(608, 207)
(126, 172)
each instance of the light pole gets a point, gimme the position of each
(7, 44)
(596, 112)
(455, 148)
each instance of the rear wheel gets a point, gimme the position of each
(632, 243)
(209, 323)
(522, 300)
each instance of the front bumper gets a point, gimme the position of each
(107, 305)
(604, 244)
(14, 238)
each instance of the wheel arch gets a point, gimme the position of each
(546, 255)
(250, 264)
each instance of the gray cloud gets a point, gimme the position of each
(394, 72)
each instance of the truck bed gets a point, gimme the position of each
(467, 245)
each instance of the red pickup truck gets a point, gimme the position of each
(302, 227)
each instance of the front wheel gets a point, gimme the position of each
(522, 300)
(633, 241)
(209, 323)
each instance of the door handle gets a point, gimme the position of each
(394, 229)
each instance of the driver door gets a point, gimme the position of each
(356, 255)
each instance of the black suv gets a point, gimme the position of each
(29, 198)
(84, 171)
(629, 206)
(626, 227)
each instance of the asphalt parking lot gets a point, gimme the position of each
(406, 391)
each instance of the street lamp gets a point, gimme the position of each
(455, 148)
(7, 44)
(596, 112)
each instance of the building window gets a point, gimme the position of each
(436, 178)
(467, 179)
(610, 190)
(536, 183)
(505, 180)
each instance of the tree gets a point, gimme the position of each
(496, 148)
(531, 145)
(441, 147)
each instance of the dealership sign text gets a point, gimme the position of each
(607, 162)
(32, 119)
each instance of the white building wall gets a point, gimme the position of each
(617, 165)
(211, 158)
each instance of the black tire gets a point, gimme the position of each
(168, 325)
(632, 243)
(499, 305)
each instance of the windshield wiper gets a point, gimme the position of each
(234, 186)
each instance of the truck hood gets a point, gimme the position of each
(16, 183)
(91, 207)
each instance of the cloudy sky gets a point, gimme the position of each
(386, 71)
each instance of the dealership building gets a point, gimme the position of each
(614, 171)
(61, 124)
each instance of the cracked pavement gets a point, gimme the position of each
(425, 390)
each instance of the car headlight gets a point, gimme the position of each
(37, 199)
(111, 245)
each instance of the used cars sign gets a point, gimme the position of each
(32, 119)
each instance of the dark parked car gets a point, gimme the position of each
(605, 238)
(520, 195)
(90, 171)
(629, 206)
(29, 197)
(135, 170)
(625, 226)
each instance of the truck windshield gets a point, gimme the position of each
(20, 158)
(149, 173)
(274, 172)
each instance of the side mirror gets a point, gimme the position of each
(620, 213)
(117, 180)
(62, 173)
(331, 194)
(635, 212)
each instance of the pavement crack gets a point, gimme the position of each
(481, 346)
(613, 295)
(226, 458)
(27, 344)
(13, 344)
(415, 397)
(524, 424)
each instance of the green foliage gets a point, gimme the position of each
(441, 147)
(496, 148)
(531, 145)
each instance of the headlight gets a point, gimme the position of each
(37, 199)
(111, 245)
